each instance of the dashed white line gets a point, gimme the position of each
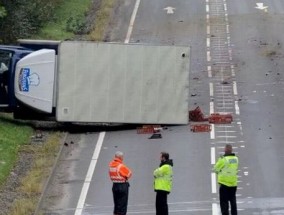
(237, 108)
(208, 56)
(215, 210)
(213, 155)
(211, 107)
(211, 89)
(212, 133)
(235, 88)
(208, 42)
(213, 182)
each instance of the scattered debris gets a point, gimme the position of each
(225, 82)
(39, 134)
(149, 129)
(196, 115)
(156, 136)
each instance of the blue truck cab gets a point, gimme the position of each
(21, 67)
(9, 56)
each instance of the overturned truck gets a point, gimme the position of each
(88, 82)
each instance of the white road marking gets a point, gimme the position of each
(170, 10)
(261, 7)
(212, 133)
(213, 182)
(237, 108)
(209, 72)
(211, 89)
(88, 179)
(215, 210)
(213, 156)
(131, 24)
(208, 56)
(211, 107)
(235, 90)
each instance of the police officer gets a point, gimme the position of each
(119, 174)
(163, 183)
(227, 169)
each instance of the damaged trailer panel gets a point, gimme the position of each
(122, 83)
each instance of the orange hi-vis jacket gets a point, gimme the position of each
(118, 172)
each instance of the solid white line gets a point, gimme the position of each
(88, 179)
(213, 182)
(131, 24)
(213, 156)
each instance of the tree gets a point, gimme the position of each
(2, 12)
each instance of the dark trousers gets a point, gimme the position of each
(120, 198)
(162, 203)
(228, 194)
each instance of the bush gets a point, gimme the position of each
(24, 18)
(75, 24)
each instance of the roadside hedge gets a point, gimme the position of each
(24, 18)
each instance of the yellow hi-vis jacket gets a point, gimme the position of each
(227, 170)
(163, 178)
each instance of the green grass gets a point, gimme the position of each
(12, 136)
(56, 30)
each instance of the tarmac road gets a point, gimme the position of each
(236, 67)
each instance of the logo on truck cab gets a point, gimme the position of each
(27, 79)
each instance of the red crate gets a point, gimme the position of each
(148, 129)
(200, 128)
(216, 118)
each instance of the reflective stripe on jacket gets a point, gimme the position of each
(163, 178)
(118, 172)
(227, 170)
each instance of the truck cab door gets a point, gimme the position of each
(4, 70)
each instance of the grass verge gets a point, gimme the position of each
(32, 184)
(102, 19)
(12, 136)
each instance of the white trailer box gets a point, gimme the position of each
(122, 83)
